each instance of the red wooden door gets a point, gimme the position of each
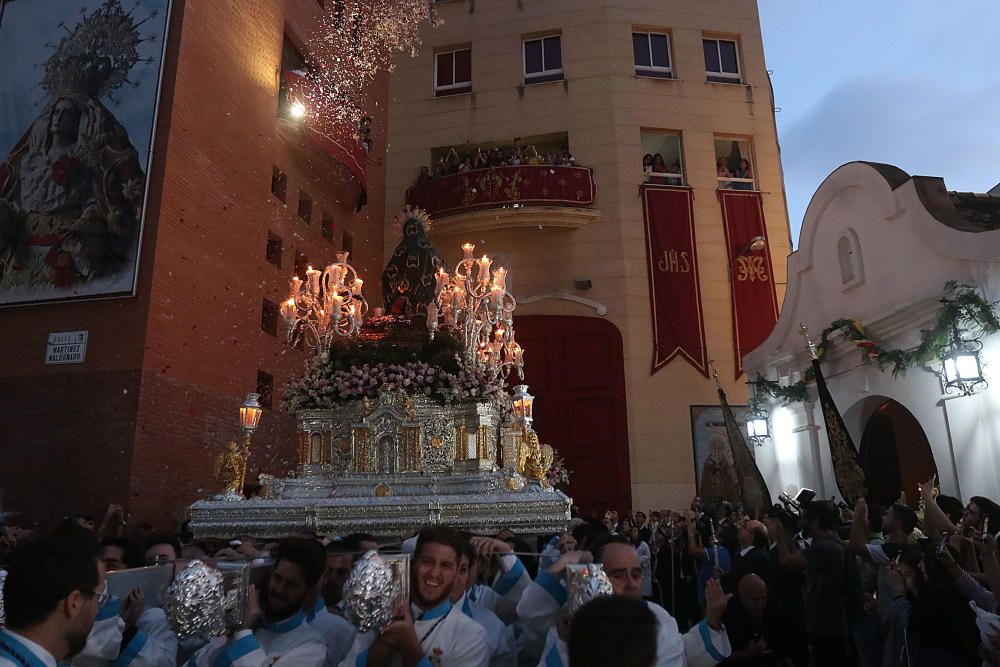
(574, 367)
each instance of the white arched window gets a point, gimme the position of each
(849, 259)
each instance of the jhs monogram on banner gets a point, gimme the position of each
(674, 262)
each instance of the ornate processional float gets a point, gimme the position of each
(404, 418)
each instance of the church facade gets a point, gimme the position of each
(878, 247)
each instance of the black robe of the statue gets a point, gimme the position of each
(408, 283)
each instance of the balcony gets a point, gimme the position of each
(506, 197)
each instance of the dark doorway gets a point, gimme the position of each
(574, 367)
(895, 454)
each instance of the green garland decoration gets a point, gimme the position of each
(962, 308)
(792, 393)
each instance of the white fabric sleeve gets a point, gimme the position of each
(510, 583)
(105, 638)
(154, 643)
(704, 647)
(540, 604)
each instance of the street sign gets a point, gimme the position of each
(66, 347)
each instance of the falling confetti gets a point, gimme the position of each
(353, 44)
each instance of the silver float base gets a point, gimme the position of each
(474, 503)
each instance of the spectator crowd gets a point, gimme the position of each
(498, 156)
(803, 584)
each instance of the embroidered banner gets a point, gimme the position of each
(753, 489)
(674, 294)
(850, 476)
(755, 302)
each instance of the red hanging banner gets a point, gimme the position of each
(755, 302)
(674, 294)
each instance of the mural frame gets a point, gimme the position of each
(706, 425)
(159, 54)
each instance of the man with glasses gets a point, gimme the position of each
(540, 609)
(54, 588)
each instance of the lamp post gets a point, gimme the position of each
(757, 419)
(250, 413)
(962, 365)
(523, 404)
(231, 466)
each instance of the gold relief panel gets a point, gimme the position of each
(327, 452)
(411, 449)
(461, 442)
(362, 450)
(483, 443)
(303, 447)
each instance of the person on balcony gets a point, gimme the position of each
(744, 172)
(480, 161)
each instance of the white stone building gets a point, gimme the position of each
(878, 245)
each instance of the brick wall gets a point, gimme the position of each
(190, 342)
(67, 442)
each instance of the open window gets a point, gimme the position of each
(662, 158)
(734, 167)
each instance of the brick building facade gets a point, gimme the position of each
(141, 420)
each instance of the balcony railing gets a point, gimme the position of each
(505, 187)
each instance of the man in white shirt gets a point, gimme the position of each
(336, 630)
(52, 592)
(540, 610)
(503, 649)
(278, 635)
(430, 630)
(126, 632)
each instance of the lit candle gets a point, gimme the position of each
(459, 298)
(337, 303)
(338, 274)
(495, 296)
(500, 278)
(467, 248)
(296, 286)
(288, 310)
(356, 286)
(432, 316)
(312, 275)
(442, 279)
(484, 269)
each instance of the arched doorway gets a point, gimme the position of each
(895, 454)
(575, 368)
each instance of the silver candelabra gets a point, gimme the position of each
(475, 302)
(327, 304)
